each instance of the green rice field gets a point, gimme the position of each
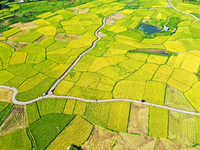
(161, 68)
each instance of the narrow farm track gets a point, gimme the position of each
(93, 101)
(50, 91)
(182, 11)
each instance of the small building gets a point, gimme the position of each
(165, 28)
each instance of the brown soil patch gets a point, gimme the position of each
(134, 142)
(101, 139)
(75, 10)
(165, 144)
(40, 39)
(1, 35)
(25, 26)
(6, 95)
(16, 25)
(66, 38)
(83, 11)
(20, 45)
(11, 43)
(118, 16)
(110, 21)
(101, 34)
(138, 122)
(16, 36)
(16, 120)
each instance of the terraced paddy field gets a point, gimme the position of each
(60, 54)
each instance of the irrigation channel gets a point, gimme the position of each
(50, 91)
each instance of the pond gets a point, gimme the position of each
(160, 52)
(149, 29)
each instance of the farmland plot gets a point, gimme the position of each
(158, 122)
(118, 116)
(138, 121)
(105, 140)
(16, 120)
(182, 128)
(75, 133)
(21, 140)
(128, 141)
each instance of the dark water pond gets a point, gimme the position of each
(161, 52)
(149, 29)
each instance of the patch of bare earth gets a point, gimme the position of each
(16, 36)
(16, 120)
(134, 142)
(101, 34)
(40, 39)
(165, 144)
(25, 26)
(1, 35)
(110, 21)
(118, 16)
(66, 38)
(11, 43)
(76, 10)
(83, 11)
(20, 45)
(100, 139)
(138, 122)
(6, 95)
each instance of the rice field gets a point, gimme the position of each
(77, 132)
(158, 122)
(118, 116)
(34, 55)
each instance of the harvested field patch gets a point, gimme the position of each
(110, 21)
(67, 37)
(6, 95)
(166, 144)
(40, 39)
(182, 128)
(138, 121)
(83, 11)
(175, 98)
(118, 16)
(16, 120)
(129, 141)
(100, 139)
(20, 45)
(101, 34)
